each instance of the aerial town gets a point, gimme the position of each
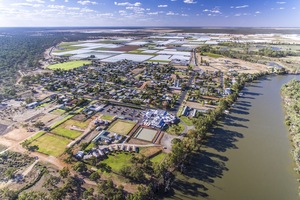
(103, 101)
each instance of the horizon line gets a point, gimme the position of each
(215, 27)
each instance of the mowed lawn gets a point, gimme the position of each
(77, 123)
(69, 65)
(66, 132)
(158, 158)
(51, 144)
(72, 134)
(117, 161)
(122, 127)
(187, 120)
(107, 117)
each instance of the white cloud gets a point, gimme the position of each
(135, 9)
(86, 10)
(281, 2)
(56, 7)
(136, 4)
(28, 5)
(105, 15)
(66, 1)
(35, 1)
(162, 6)
(189, 1)
(281, 8)
(87, 2)
(243, 6)
(152, 13)
(214, 11)
(184, 15)
(122, 12)
(241, 14)
(73, 8)
(257, 12)
(294, 8)
(171, 13)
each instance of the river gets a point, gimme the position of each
(248, 155)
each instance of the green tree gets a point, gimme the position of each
(58, 194)
(80, 167)
(33, 195)
(10, 172)
(143, 193)
(95, 176)
(64, 173)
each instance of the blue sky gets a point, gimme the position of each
(248, 13)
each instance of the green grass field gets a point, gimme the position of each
(160, 61)
(178, 73)
(117, 161)
(158, 158)
(122, 127)
(186, 120)
(90, 146)
(61, 121)
(67, 46)
(212, 55)
(51, 144)
(72, 134)
(58, 111)
(172, 129)
(107, 117)
(79, 124)
(136, 52)
(43, 105)
(179, 111)
(69, 65)
(39, 134)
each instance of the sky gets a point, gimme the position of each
(213, 13)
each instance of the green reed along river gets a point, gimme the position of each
(248, 155)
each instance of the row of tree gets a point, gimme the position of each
(291, 95)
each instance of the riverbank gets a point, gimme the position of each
(291, 94)
(247, 153)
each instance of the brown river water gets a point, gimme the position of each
(248, 155)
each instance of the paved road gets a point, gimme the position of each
(195, 57)
(182, 95)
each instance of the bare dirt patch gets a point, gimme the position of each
(229, 64)
(144, 85)
(181, 67)
(210, 98)
(199, 106)
(137, 142)
(48, 118)
(138, 70)
(72, 127)
(17, 135)
(79, 117)
(127, 48)
(150, 151)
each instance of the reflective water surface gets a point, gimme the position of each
(248, 156)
